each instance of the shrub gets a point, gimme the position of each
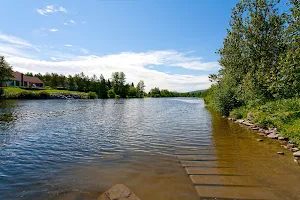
(111, 93)
(92, 95)
(44, 95)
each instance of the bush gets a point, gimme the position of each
(92, 95)
(111, 93)
(44, 95)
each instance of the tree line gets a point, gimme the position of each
(260, 56)
(115, 87)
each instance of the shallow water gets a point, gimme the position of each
(77, 149)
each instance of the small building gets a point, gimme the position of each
(19, 79)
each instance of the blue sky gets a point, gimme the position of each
(170, 44)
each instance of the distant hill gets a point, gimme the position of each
(196, 91)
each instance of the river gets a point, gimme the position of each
(77, 149)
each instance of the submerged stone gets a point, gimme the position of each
(118, 192)
(297, 154)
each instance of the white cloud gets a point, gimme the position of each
(83, 22)
(51, 9)
(68, 45)
(53, 30)
(65, 23)
(14, 40)
(72, 21)
(14, 44)
(85, 51)
(24, 57)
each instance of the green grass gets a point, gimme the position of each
(17, 89)
(19, 93)
(282, 114)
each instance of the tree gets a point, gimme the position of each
(132, 91)
(289, 84)
(28, 74)
(6, 72)
(155, 92)
(72, 85)
(118, 84)
(140, 89)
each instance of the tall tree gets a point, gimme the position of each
(6, 72)
(140, 89)
(289, 84)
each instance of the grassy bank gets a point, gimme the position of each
(19, 93)
(281, 114)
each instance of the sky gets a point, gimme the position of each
(169, 44)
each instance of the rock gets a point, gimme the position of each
(118, 192)
(273, 135)
(295, 149)
(290, 146)
(255, 128)
(280, 153)
(259, 140)
(248, 124)
(229, 118)
(281, 138)
(239, 121)
(297, 154)
(296, 161)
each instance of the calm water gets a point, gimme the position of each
(77, 149)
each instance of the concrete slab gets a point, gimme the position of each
(203, 164)
(195, 152)
(233, 192)
(197, 157)
(118, 192)
(211, 171)
(224, 180)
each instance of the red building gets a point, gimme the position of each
(20, 79)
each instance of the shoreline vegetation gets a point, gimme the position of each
(80, 86)
(259, 79)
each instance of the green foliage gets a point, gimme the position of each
(260, 57)
(6, 72)
(111, 94)
(132, 91)
(140, 89)
(282, 114)
(27, 95)
(92, 95)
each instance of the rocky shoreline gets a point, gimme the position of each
(66, 96)
(271, 133)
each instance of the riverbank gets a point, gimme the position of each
(282, 115)
(19, 93)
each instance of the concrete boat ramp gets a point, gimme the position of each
(219, 180)
(213, 178)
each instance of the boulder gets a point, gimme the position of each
(295, 149)
(273, 135)
(118, 192)
(281, 138)
(280, 153)
(255, 128)
(259, 140)
(297, 154)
